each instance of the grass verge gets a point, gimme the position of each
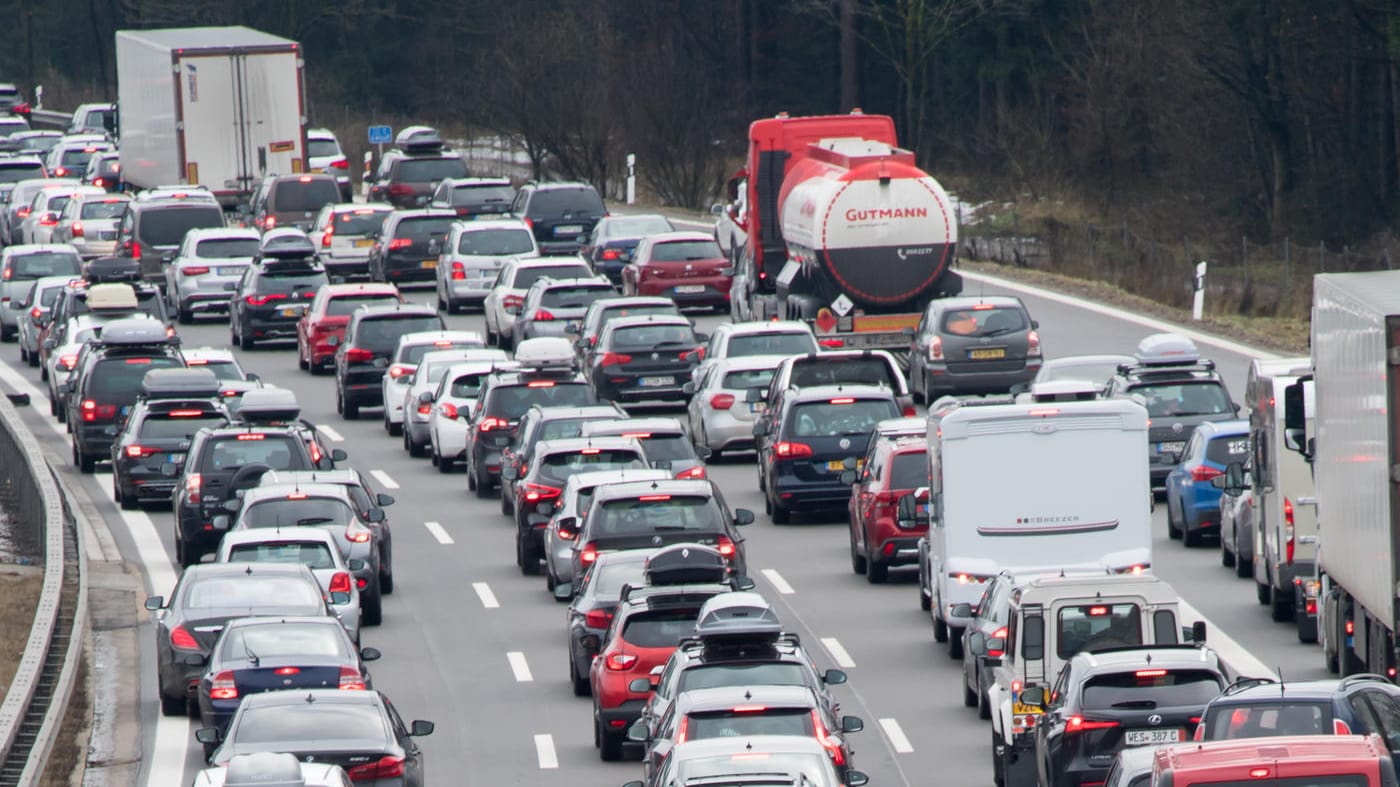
(20, 587)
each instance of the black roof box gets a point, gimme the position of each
(269, 405)
(683, 564)
(742, 615)
(106, 270)
(418, 139)
(136, 331)
(179, 384)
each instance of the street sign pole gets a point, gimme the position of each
(378, 135)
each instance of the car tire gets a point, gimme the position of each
(858, 565)
(940, 629)
(483, 487)
(876, 573)
(1227, 558)
(245, 342)
(444, 465)
(372, 606)
(1243, 568)
(984, 705)
(127, 502)
(86, 464)
(302, 362)
(998, 761)
(174, 706)
(471, 476)
(969, 695)
(525, 557)
(580, 685)
(1192, 538)
(781, 515)
(348, 410)
(392, 428)
(183, 315)
(1263, 592)
(955, 643)
(609, 745)
(34, 362)
(1281, 606)
(1173, 526)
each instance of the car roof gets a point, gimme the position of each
(1279, 750)
(549, 282)
(726, 697)
(312, 696)
(368, 311)
(716, 747)
(360, 288)
(969, 301)
(813, 393)
(341, 476)
(1231, 428)
(762, 327)
(599, 477)
(619, 323)
(21, 249)
(477, 181)
(419, 213)
(560, 412)
(285, 491)
(251, 570)
(747, 363)
(276, 535)
(678, 235)
(1177, 656)
(651, 424)
(623, 301)
(542, 262)
(353, 207)
(492, 224)
(320, 133)
(291, 620)
(1272, 691)
(674, 486)
(574, 444)
(1071, 361)
(444, 335)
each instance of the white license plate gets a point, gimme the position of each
(569, 229)
(175, 459)
(228, 270)
(1170, 448)
(687, 289)
(656, 382)
(1153, 737)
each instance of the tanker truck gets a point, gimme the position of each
(843, 230)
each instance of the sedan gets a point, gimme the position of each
(687, 267)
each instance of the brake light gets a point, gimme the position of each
(843, 400)
(24, 214)
(654, 498)
(223, 687)
(1094, 612)
(263, 300)
(386, 767)
(612, 254)
(36, 312)
(1203, 473)
(543, 315)
(1258, 773)
(135, 250)
(1288, 529)
(588, 554)
(513, 301)
(722, 401)
(327, 235)
(192, 482)
(537, 492)
(725, 546)
(620, 661)
(1340, 727)
(540, 384)
(68, 361)
(459, 271)
(340, 163)
(194, 270)
(1150, 673)
(832, 746)
(59, 172)
(287, 671)
(136, 451)
(399, 370)
(252, 436)
(1032, 343)
(830, 344)
(425, 409)
(351, 679)
(786, 450)
(487, 424)
(697, 471)
(449, 409)
(399, 243)
(1081, 724)
(182, 639)
(682, 730)
(77, 228)
(48, 221)
(359, 355)
(92, 411)
(935, 349)
(340, 582)
(996, 653)
(269, 222)
(598, 618)
(400, 190)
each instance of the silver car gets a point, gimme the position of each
(720, 414)
(37, 303)
(206, 270)
(422, 385)
(404, 360)
(551, 304)
(39, 226)
(311, 547)
(22, 198)
(20, 267)
(562, 531)
(473, 253)
(63, 359)
(69, 158)
(88, 222)
(503, 302)
(325, 157)
(343, 234)
(739, 339)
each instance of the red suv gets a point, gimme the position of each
(328, 316)
(687, 267)
(1290, 761)
(893, 467)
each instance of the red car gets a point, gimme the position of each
(894, 467)
(329, 314)
(687, 267)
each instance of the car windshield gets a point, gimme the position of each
(607, 581)
(686, 251)
(289, 512)
(1268, 719)
(168, 226)
(346, 305)
(524, 277)
(984, 322)
(283, 640)
(653, 336)
(909, 471)
(840, 370)
(252, 590)
(564, 428)
(574, 297)
(840, 416)
(511, 402)
(226, 248)
(1098, 373)
(235, 451)
(414, 353)
(420, 230)
(312, 554)
(284, 725)
(430, 170)
(382, 334)
(789, 343)
(558, 467)
(361, 221)
(1096, 626)
(495, 242)
(650, 513)
(77, 158)
(120, 378)
(577, 202)
(320, 148)
(158, 426)
(223, 370)
(1146, 689)
(668, 447)
(104, 208)
(745, 721)
(308, 196)
(1165, 400)
(24, 267)
(659, 628)
(467, 386)
(496, 197)
(748, 378)
(715, 676)
(636, 226)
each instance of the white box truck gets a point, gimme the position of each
(1355, 454)
(217, 106)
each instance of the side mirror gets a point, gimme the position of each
(1233, 478)
(563, 591)
(852, 724)
(339, 455)
(420, 728)
(908, 332)
(638, 732)
(573, 328)
(752, 395)
(209, 736)
(1218, 482)
(639, 686)
(232, 505)
(744, 583)
(911, 513)
(976, 643)
(760, 429)
(510, 472)
(717, 209)
(253, 378)
(333, 341)
(703, 452)
(195, 659)
(702, 337)
(356, 564)
(1198, 632)
(1295, 417)
(855, 778)
(1035, 325)
(834, 677)
(963, 610)
(743, 516)
(382, 500)
(155, 603)
(220, 522)
(370, 654)
(425, 397)
(375, 515)
(689, 388)
(1034, 696)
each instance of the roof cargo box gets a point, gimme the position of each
(419, 139)
(1166, 349)
(546, 352)
(111, 297)
(264, 769)
(179, 384)
(682, 564)
(741, 615)
(113, 269)
(138, 330)
(269, 405)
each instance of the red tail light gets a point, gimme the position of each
(182, 639)
(697, 471)
(598, 618)
(399, 243)
(996, 653)
(1081, 724)
(1203, 473)
(513, 301)
(459, 271)
(1288, 529)
(543, 315)
(488, 424)
(614, 359)
(537, 492)
(1340, 727)
(832, 747)
(36, 312)
(359, 355)
(135, 250)
(192, 482)
(22, 213)
(269, 222)
(786, 450)
(48, 221)
(529, 222)
(399, 370)
(326, 237)
(449, 409)
(400, 190)
(223, 687)
(68, 361)
(725, 546)
(340, 582)
(386, 767)
(830, 344)
(59, 172)
(683, 730)
(935, 349)
(92, 411)
(136, 451)
(357, 535)
(612, 254)
(340, 163)
(722, 401)
(78, 226)
(1032, 343)
(351, 679)
(425, 409)
(194, 270)
(588, 554)
(263, 300)
(620, 661)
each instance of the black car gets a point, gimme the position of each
(1112, 699)
(408, 174)
(504, 398)
(561, 215)
(646, 358)
(605, 310)
(107, 381)
(204, 600)
(174, 405)
(547, 423)
(404, 249)
(152, 229)
(360, 731)
(276, 290)
(474, 197)
(591, 611)
(362, 360)
(1261, 707)
(613, 240)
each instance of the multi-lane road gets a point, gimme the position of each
(474, 646)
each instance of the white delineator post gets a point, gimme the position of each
(1198, 304)
(364, 176)
(631, 178)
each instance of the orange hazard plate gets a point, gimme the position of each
(885, 322)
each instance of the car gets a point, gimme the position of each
(308, 546)
(361, 731)
(646, 514)
(1106, 701)
(646, 358)
(257, 654)
(561, 214)
(185, 192)
(22, 194)
(271, 297)
(1179, 389)
(21, 266)
(38, 303)
(13, 170)
(559, 538)
(419, 391)
(69, 158)
(325, 157)
(38, 228)
(328, 507)
(591, 612)
(63, 356)
(472, 255)
(205, 599)
(816, 436)
(364, 498)
(537, 489)
(207, 269)
(686, 267)
(363, 358)
(780, 759)
(1237, 526)
(10, 125)
(35, 143)
(221, 362)
(153, 227)
(973, 345)
(550, 304)
(648, 623)
(404, 249)
(667, 445)
(776, 338)
(344, 233)
(989, 622)
(546, 423)
(98, 118)
(474, 198)
(269, 768)
(720, 414)
(880, 540)
(610, 245)
(502, 304)
(106, 382)
(104, 170)
(328, 315)
(408, 173)
(12, 100)
(1361, 704)
(505, 396)
(833, 367)
(1132, 767)
(88, 222)
(101, 303)
(452, 403)
(403, 361)
(604, 310)
(173, 405)
(1304, 759)
(292, 200)
(1098, 369)
(1193, 502)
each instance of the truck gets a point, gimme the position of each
(221, 107)
(840, 229)
(1353, 444)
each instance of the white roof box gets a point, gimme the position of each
(739, 615)
(1166, 349)
(264, 769)
(1065, 391)
(419, 138)
(111, 296)
(546, 352)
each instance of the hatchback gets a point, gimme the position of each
(551, 304)
(687, 267)
(271, 298)
(614, 239)
(344, 234)
(472, 255)
(720, 412)
(152, 229)
(329, 314)
(363, 358)
(973, 345)
(560, 214)
(646, 358)
(879, 538)
(403, 362)
(325, 157)
(503, 303)
(89, 221)
(403, 249)
(474, 198)
(1193, 502)
(1265, 708)
(292, 200)
(409, 172)
(20, 267)
(452, 403)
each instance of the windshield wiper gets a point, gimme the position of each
(315, 520)
(248, 652)
(1144, 704)
(672, 343)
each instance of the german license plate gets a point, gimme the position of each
(656, 382)
(687, 289)
(291, 311)
(318, 170)
(987, 354)
(569, 229)
(1153, 737)
(175, 459)
(836, 465)
(430, 264)
(363, 243)
(1171, 448)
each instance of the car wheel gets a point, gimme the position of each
(1281, 606)
(525, 556)
(302, 362)
(1173, 525)
(392, 428)
(444, 465)
(184, 315)
(85, 463)
(857, 558)
(471, 476)
(984, 705)
(173, 706)
(348, 410)
(1243, 568)
(876, 573)
(581, 686)
(127, 502)
(609, 745)
(1227, 558)
(1263, 592)
(955, 644)
(781, 515)
(940, 629)
(998, 761)
(53, 405)
(483, 487)
(372, 606)
(244, 341)
(969, 695)
(1192, 538)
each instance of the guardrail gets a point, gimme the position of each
(34, 705)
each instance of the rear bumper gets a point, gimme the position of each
(795, 493)
(409, 269)
(941, 378)
(559, 248)
(902, 550)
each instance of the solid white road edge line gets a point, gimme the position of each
(483, 592)
(1244, 663)
(439, 533)
(776, 580)
(838, 653)
(895, 733)
(519, 666)
(331, 433)
(383, 478)
(544, 751)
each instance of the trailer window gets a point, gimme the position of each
(1095, 626)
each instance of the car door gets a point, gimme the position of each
(1387, 715)
(413, 755)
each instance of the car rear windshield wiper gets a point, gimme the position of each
(314, 520)
(673, 343)
(1144, 704)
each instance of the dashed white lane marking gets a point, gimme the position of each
(544, 751)
(438, 532)
(776, 580)
(483, 592)
(519, 666)
(895, 733)
(335, 436)
(383, 478)
(838, 653)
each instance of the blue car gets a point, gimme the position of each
(1193, 503)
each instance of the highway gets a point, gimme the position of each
(474, 646)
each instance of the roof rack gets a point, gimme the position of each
(419, 139)
(137, 332)
(1363, 676)
(1167, 349)
(179, 384)
(683, 564)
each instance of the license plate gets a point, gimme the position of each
(656, 382)
(363, 243)
(1153, 737)
(755, 407)
(318, 170)
(1021, 709)
(175, 459)
(293, 311)
(228, 270)
(836, 465)
(428, 264)
(686, 289)
(988, 354)
(1171, 448)
(569, 229)
(107, 235)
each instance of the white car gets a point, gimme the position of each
(324, 156)
(220, 361)
(272, 769)
(36, 307)
(452, 402)
(403, 361)
(207, 269)
(312, 547)
(343, 236)
(721, 416)
(738, 339)
(64, 358)
(417, 396)
(503, 302)
(562, 531)
(37, 228)
(472, 255)
(89, 222)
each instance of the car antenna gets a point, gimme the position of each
(1281, 684)
(310, 698)
(1148, 658)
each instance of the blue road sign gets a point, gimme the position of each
(381, 135)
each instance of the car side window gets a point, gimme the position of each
(1366, 717)
(400, 729)
(1388, 714)
(1061, 688)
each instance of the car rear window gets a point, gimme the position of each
(751, 720)
(1269, 719)
(294, 280)
(842, 371)
(771, 344)
(686, 251)
(430, 170)
(228, 453)
(574, 297)
(984, 322)
(45, 263)
(1226, 449)
(668, 447)
(467, 386)
(609, 582)
(659, 628)
(120, 378)
(381, 334)
(1149, 688)
(279, 640)
(414, 353)
(104, 208)
(648, 513)
(167, 226)
(748, 378)
(312, 554)
(14, 173)
(281, 512)
(160, 426)
(496, 197)
(284, 725)
(320, 148)
(637, 337)
(423, 228)
(252, 591)
(716, 676)
(909, 470)
(496, 242)
(77, 158)
(1205, 397)
(840, 416)
(226, 248)
(564, 428)
(49, 295)
(296, 196)
(1094, 626)
(345, 306)
(560, 466)
(359, 222)
(637, 226)
(511, 401)
(551, 202)
(524, 277)
(223, 370)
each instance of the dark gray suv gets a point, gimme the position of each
(978, 345)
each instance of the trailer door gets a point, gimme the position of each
(274, 132)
